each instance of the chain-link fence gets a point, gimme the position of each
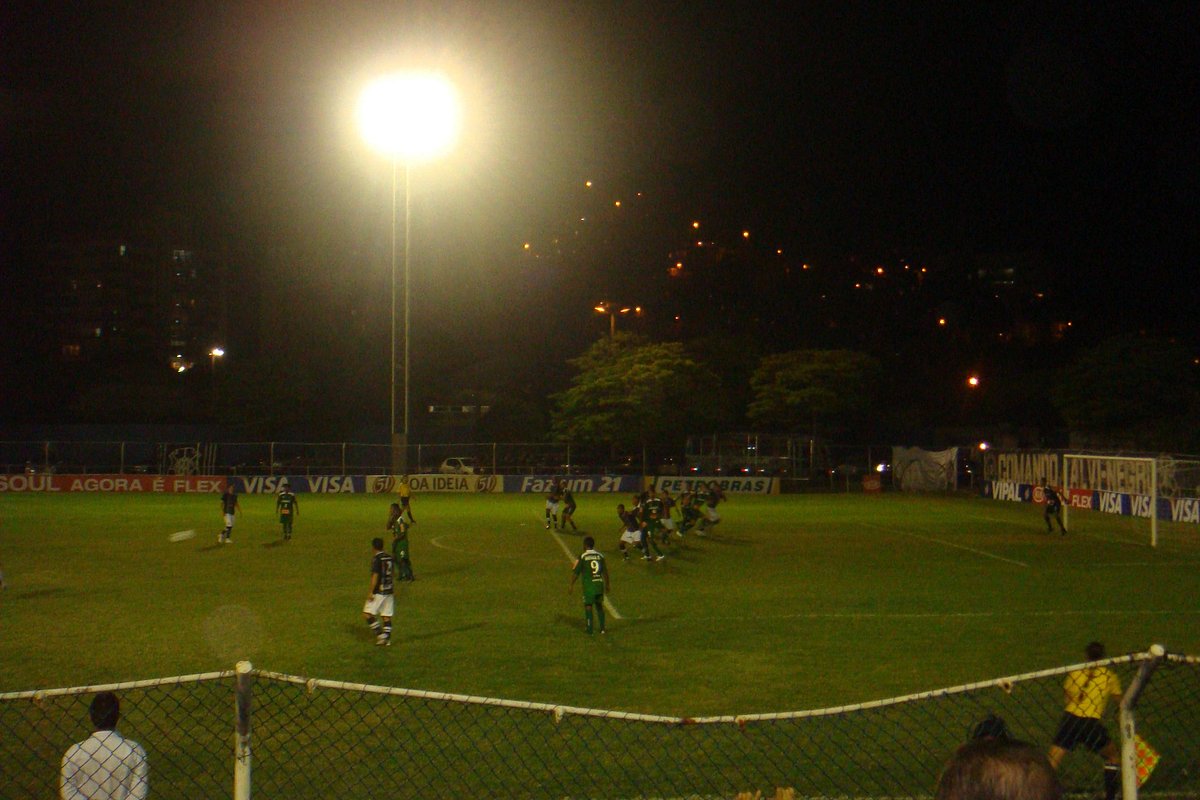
(293, 737)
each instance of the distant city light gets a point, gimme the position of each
(879, 270)
(617, 203)
(745, 234)
(984, 446)
(941, 321)
(588, 184)
(696, 225)
(973, 381)
(805, 266)
(527, 245)
(778, 252)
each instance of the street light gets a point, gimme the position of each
(612, 311)
(410, 117)
(213, 355)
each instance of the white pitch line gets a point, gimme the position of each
(948, 544)
(571, 557)
(884, 615)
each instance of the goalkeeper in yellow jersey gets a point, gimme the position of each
(1087, 692)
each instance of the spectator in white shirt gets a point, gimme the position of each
(105, 766)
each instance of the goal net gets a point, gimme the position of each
(1129, 491)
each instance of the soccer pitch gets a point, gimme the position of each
(792, 602)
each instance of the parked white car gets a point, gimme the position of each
(460, 466)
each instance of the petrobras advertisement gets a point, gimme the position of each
(112, 483)
(540, 484)
(728, 484)
(1180, 509)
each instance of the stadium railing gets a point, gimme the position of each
(251, 732)
(827, 467)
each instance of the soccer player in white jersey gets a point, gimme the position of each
(380, 603)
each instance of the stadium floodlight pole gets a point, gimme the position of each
(411, 117)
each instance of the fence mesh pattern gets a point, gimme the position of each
(324, 739)
(184, 724)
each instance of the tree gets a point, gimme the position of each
(1131, 391)
(802, 388)
(629, 392)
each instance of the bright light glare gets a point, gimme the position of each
(216, 352)
(984, 445)
(973, 381)
(411, 117)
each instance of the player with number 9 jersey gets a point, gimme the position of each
(592, 573)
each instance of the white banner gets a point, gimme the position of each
(917, 470)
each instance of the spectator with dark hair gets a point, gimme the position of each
(106, 765)
(1087, 692)
(998, 769)
(990, 727)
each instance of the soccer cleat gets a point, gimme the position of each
(383, 641)
(602, 631)
(660, 558)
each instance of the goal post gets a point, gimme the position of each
(1127, 485)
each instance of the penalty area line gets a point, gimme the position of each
(571, 558)
(948, 544)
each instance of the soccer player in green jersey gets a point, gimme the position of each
(400, 554)
(288, 507)
(229, 507)
(590, 567)
(653, 511)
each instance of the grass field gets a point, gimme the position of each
(793, 602)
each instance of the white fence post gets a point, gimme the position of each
(1129, 776)
(241, 762)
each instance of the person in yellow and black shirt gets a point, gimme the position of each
(405, 492)
(1087, 693)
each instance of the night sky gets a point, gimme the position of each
(1065, 129)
